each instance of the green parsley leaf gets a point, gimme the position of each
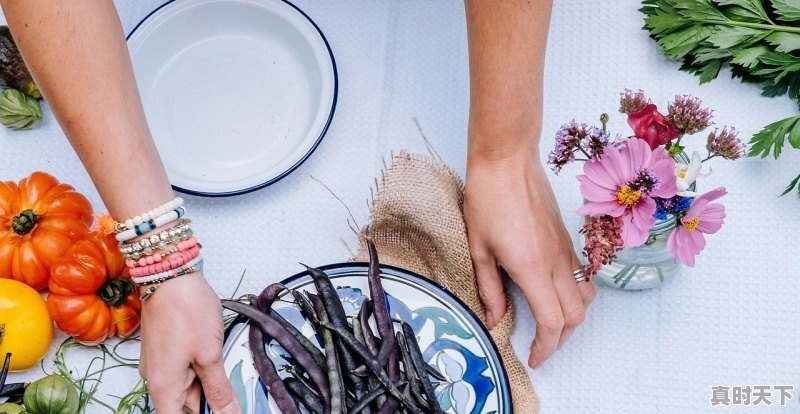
(699, 9)
(792, 186)
(710, 71)
(749, 57)
(787, 10)
(758, 39)
(784, 42)
(664, 22)
(678, 44)
(725, 37)
(772, 137)
(746, 8)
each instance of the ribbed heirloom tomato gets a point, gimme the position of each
(91, 295)
(40, 219)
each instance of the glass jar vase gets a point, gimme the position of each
(645, 266)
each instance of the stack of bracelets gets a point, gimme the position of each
(159, 256)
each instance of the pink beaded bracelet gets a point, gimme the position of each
(156, 257)
(171, 262)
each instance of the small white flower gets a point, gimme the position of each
(687, 175)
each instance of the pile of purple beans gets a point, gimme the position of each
(358, 370)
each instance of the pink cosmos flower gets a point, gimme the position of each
(703, 217)
(623, 182)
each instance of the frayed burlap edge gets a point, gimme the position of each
(416, 222)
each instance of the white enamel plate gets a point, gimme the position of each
(238, 93)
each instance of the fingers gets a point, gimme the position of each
(168, 396)
(572, 304)
(587, 289)
(491, 290)
(193, 397)
(544, 303)
(168, 386)
(216, 386)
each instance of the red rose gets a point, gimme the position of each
(651, 126)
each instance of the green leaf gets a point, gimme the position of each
(706, 53)
(784, 42)
(674, 149)
(745, 8)
(709, 71)
(725, 37)
(680, 43)
(787, 10)
(772, 138)
(788, 70)
(779, 59)
(662, 22)
(699, 9)
(749, 57)
(794, 137)
(792, 186)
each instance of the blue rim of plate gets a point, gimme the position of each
(310, 150)
(397, 271)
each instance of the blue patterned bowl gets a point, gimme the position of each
(450, 335)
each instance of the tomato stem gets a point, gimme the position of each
(115, 291)
(24, 222)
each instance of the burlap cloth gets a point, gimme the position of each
(417, 224)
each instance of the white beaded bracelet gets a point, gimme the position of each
(159, 211)
(169, 274)
(151, 224)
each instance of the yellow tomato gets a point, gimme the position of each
(25, 327)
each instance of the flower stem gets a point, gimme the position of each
(709, 157)
(585, 153)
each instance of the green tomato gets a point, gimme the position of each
(51, 395)
(19, 111)
(11, 408)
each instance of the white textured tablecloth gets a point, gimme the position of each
(731, 320)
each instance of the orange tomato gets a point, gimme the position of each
(91, 294)
(40, 219)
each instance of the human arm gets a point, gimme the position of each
(77, 54)
(511, 213)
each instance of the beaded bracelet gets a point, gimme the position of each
(166, 275)
(157, 257)
(171, 262)
(159, 211)
(144, 228)
(155, 285)
(145, 247)
(150, 225)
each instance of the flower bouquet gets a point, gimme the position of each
(644, 215)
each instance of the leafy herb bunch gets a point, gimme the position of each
(759, 41)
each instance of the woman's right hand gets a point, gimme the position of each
(182, 338)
